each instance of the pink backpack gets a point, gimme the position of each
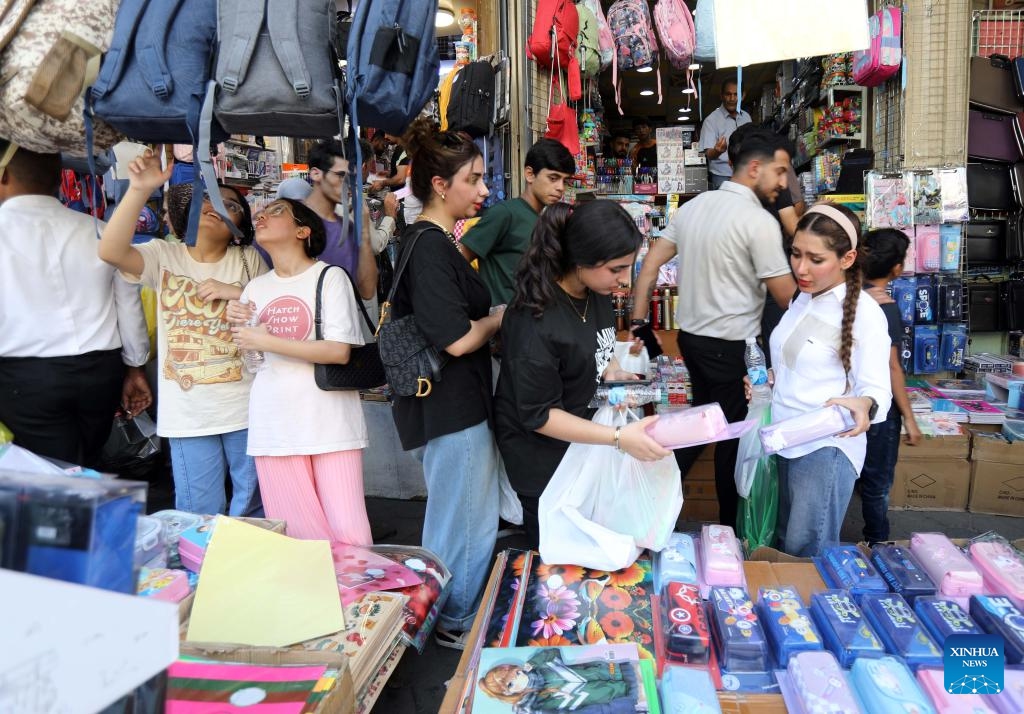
(675, 30)
(606, 43)
(635, 44)
(871, 67)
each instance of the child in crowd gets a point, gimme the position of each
(558, 337)
(827, 349)
(203, 405)
(885, 250)
(307, 442)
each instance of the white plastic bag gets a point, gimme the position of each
(509, 506)
(602, 507)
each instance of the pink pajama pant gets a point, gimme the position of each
(319, 496)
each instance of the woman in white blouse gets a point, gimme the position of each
(831, 347)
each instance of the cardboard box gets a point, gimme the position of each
(997, 451)
(700, 510)
(997, 488)
(931, 484)
(938, 447)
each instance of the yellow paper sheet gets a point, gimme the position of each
(262, 588)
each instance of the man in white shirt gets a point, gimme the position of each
(718, 126)
(730, 252)
(70, 325)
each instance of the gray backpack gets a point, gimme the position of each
(277, 68)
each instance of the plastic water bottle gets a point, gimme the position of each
(757, 370)
(253, 359)
(626, 395)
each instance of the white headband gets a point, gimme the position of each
(839, 217)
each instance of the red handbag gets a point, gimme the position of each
(561, 121)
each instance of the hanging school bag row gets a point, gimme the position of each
(635, 44)
(873, 66)
(49, 52)
(552, 41)
(704, 28)
(605, 42)
(471, 105)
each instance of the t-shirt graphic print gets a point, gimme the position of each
(605, 350)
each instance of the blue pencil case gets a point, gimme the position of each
(886, 686)
(844, 566)
(902, 572)
(844, 630)
(900, 631)
(943, 618)
(739, 637)
(787, 623)
(997, 615)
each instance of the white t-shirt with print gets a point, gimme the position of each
(203, 388)
(288, 414)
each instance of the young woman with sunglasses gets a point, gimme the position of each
(451, 428)
(203, 388)
(307, 442)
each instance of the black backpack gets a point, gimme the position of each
(471, 106)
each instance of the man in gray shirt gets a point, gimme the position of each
(715, 132)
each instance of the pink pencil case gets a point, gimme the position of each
(1002, 569)
(933, 684)
(816, 683)
(805, 428)
(721, 557)
(946, 565)
(696, 425)
(163, 584)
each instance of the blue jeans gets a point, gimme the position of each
(877, 475)
(461, 522)
(814, 492)
(200, 464)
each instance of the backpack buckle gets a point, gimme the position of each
(229, 84)
(301, 89)
(160, 90)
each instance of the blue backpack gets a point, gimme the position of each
(153, 79)
(392, 62)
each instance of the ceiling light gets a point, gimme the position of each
(682, 118)
(646, 69)
(689, 90)
(684, 110)
(445, 14)
(694, 66)
(647, 93)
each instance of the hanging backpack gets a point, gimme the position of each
(392, 62)
(47, 48)
(676, 32)
(605, 42)
(588, 44)
(444, 96)
(635, 44)
(154, 77)
(704, 27)
(873, 66)
(471, 107)
(276, 71)
(556, 26)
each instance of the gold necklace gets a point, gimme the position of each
(586, 305)
(444, 230)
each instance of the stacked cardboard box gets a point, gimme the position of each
(997, 476)
(700, 500)
(934, 475)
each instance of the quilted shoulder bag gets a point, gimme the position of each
(411, 363)
(363, 369)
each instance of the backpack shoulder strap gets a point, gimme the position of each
(284, 36)
(151, 46)
(238, 48)
(129, 16)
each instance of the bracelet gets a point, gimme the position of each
(618, 433)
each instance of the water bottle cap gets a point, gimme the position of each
(751, 340)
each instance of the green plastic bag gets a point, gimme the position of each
(756, 475)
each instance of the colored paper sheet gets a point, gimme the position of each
(216, 688)
(262, 588)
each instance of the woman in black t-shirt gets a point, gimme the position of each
(450, 429)
(558, 338)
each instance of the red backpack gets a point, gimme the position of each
(557, 24)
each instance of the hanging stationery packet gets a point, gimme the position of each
(924, 301)
(901, 571)
(910, 260)
(926, 349)
(951, 236)
(904, 292)
(943, 618)
(844, 630)
(927, 249)
(844, 566)
(899, 630)
(688, 638)
(1002, 569)
(888, 201)
(953, 184)
(813, 682)
(927, 198)
(886, 685)
(721, 557)
(950, 294)
(787, 623)
(953, 347)
(950, 701)
(907, 349)
(677, 561)
(997, 615)
(738, 633)
(946, 564)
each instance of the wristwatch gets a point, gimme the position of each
(637, 322)
(873, 410)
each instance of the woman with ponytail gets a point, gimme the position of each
(450, 428)
(558, 338)
(831, 347)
